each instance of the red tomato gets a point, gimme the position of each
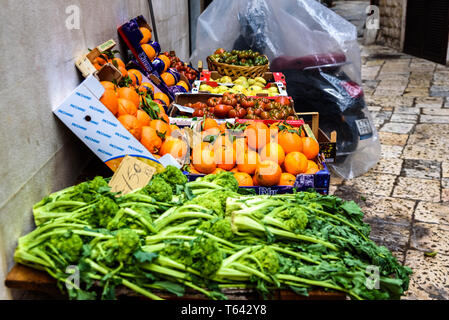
(283, 100)
(221, 110)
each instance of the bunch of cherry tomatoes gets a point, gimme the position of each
(239, 106)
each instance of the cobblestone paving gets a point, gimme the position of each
(406, 196)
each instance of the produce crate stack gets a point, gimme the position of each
(220, 189)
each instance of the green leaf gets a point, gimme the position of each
(430, 254)
(142, 256)
(300, 291)
(171, 287)
(352, 208)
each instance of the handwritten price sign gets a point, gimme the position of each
(131, 174)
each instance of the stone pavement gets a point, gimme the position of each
(406, 196)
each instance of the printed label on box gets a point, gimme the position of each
(84, 114)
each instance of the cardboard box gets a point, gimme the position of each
(131, 35)
(85, 63)
(319, 181)
(84, 114)
(272, 78)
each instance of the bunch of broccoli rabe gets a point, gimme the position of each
(206, 236)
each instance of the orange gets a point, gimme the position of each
(164, 118)
(167, 62)
(108, 85)
(150, 139)
(222, 127)
(135, 76)
(243, 179)
(173, 127)
(312, 171)
(156, 156)
(268, 173)
(287, 179)
(274, 152)
(209, 123)
(203, 158)
(258, 135)
(149, 51)
(234, 170)
(97, 66)
(126, 107)
(100, 61)
(221, 140)
(174, 146)
(129, 94)
(310, 147)
(209, 133)
(295, 163)
(224, 156)
(168, 79)
(143, 118)
(161, 127)
(248, 161)
(146, 35)
(131, 124)
(162, 96)
(192, 169)
(118, 61)
(255, 182)
(123, 71)
(311, 164)
(110, 101)
(240, 146)
(183, 84)
(145, 87)
(290, 141)
(217, 170)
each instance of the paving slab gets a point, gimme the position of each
(445, 169)
(392, 139)
(391, 152)
(429, 279)
(433, 119)
(388, 209)
(372, 183)
(417, 189)
(391, 166)
(423, 169)
(430, 212)
(405, 118)
(398, 127)
(429, 102)
(428, 142)
(430, 237)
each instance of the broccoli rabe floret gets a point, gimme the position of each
(220, 228)
(103, 212)
(206, 256)
(293, 218)
(214, 200)
(89, 190)
(118, 250)
(201, 254)
(224, 179)
(268, 259)
(158, 189)
(173, 176)
(69, 245)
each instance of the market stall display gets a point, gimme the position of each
(204, 235)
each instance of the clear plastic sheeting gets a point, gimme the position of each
(318, 52)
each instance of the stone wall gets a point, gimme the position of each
(391, 23)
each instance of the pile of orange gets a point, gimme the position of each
(127, 104)
(261, 156)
